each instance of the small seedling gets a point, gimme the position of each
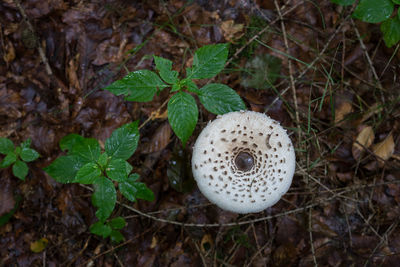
(86, 164)
(208, 61)
(374, 11)
(17, 156)
(109, 229)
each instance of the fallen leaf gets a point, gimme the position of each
(206, 243)
(384, 149)
(39, 245)
(231, 31)
(344, 109)
(10, 52)
(364, 140)
(159, 140)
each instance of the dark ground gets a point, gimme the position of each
(343, 206)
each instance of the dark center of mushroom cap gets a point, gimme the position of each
(244, 161)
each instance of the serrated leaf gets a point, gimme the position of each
(123, 141)
(63, 169)
(104, 198)
(9, 159)
(101, 229)
(117, 223)
(88, 173)
(343, 2)
(6, 145)
(261, 72)
(20, 169)
(391, 31)
(373, 11)
(131, 189)
(116, 170)
(182, 115)
(208, 61)
(68, 141)
(138, 86)
(164, 66)
(116, 236)
(88, 150)
(28, 154)
(220, 99)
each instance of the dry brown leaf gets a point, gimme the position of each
(384, 150)
(341, 112)
(364, 140)
(159, 140)
(9, 53)
(231, 31)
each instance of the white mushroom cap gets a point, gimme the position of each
(243, 161)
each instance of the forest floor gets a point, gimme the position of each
(333, 84)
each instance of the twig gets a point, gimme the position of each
(39, 47)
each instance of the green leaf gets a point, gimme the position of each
(116, 170)
(20, 169)
(190, 85)
(220, 99)
(164, 66)
(208, 61)
(116, 236)
(132, 189)
(391, 31)
(104, 198)
(138, 86)
(117, 223)
(261, 72)
(343, 2)
(26, 143)
(101, 229)
(68, 141)
(88, 150)
(396, 2)
(6, 217)
(143, 192)
(9, 159)
(123, 141)
(63, 169)
(28, 154)
(103, 160)
(88, 174)
(6, 145)
(373, 11)
(182, 115)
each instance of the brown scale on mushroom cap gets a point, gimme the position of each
(252, 156)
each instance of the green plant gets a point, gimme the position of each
(17, 156)
(109, 229)
(208, 61)
(376, 11)
(86, 164)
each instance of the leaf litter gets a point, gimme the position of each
(348, 155)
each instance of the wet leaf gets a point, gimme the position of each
(101, 229)
(88, 173)
(123, 141)
(179, 173)
(64, 168)
(6, 145)
(373, 11)
(160, 139)
(116, 170)
(9, 159)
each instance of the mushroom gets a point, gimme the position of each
(243, 161)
